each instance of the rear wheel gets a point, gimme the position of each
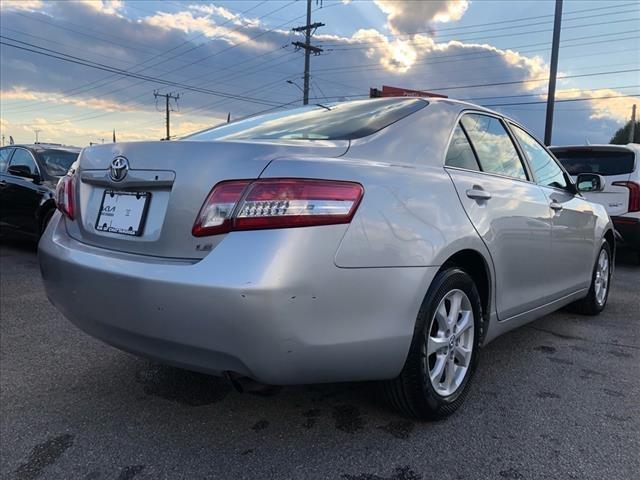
(444, 350)
(596, 299)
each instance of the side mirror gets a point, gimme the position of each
(590, 182)
(21, 171)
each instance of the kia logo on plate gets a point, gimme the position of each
(118, 168)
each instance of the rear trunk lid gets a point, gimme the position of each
(176, 177)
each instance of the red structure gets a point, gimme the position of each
(388, 91)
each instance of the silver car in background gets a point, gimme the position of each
(382, 239)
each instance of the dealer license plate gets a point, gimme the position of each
(123, 212)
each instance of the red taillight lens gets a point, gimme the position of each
(634, 194)
(281, 203)
(216, 214)
(65, 196)
(277, 203)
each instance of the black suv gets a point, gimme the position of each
(28, 178)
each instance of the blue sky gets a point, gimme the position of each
(236, 57)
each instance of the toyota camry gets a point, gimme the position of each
(385, 239)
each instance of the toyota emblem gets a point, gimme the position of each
(118, 168)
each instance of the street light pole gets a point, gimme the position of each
(551, 97)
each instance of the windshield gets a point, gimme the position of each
(602, 162)
(57, 162)
(337, 121)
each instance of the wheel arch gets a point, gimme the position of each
(477, 267)
(46, 207)
(610, 238)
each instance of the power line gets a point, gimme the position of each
(514, 82)
(562, 101)
(483, 38)
(478, 55)
(521, 19)
(107, 68)
(216, 53)
(166, 52)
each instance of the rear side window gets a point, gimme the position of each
(594, 161)
(22, 157)
(460, 153)
(5, 153)
(546, 171)
(496, 152)
(333, 121)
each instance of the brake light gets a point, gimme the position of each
(65, 196)
(634, 194)
(277, 203)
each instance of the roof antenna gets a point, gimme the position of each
(586, 141)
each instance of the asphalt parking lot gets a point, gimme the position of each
(555, 399)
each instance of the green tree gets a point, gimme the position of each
(621, 137)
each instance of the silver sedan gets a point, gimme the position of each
(383, 239)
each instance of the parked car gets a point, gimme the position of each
(28, 178)
(620, 167)
(384, 239)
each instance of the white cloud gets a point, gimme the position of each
(212, 9)
(188, 23)
(28, 5)
(407, 16)
(23, 93)
(601, 108)
(108, 7)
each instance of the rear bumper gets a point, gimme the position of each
(270, 305)
(629, 230)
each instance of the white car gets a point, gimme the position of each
(620, 166)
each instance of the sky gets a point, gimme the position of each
(74, 71)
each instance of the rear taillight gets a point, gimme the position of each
(277, 203)
(216, 214)
(634, 194)
(65, 196)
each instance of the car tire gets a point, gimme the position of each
(435, 358)
(596, 299)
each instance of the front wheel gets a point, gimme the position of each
(444, 350)
(596, 299)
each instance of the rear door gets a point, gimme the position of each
(615, 164)
(5, 155)
(509, 211)
(573, 221)
(21, 195)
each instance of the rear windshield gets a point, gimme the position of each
(337, 121)
(57, 162)
(594, 161)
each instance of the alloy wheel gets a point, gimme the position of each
(449, 343)
(601, 281)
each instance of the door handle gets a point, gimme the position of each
(478, 194)
(555, 206)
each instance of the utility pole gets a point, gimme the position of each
(308, 29)
(37, 131)
(632, 130)
(167, 97)
(551, 96)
